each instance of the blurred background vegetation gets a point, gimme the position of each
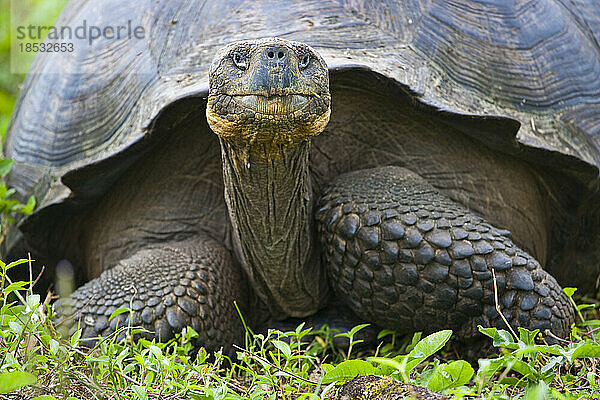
(42, 12)
(14, 13)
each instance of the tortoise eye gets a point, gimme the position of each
(238, 60)
(305, 61)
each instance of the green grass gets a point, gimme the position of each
(36, 361)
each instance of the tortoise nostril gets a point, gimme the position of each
(276, 54)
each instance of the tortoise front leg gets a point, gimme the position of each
(168, 287)
(404, 256)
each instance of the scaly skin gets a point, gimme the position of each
(168, 287)
(407, 257)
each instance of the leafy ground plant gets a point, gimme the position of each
(37, 362)
(8, 205)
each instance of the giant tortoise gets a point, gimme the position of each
(419, 159)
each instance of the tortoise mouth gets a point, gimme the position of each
(272, 105)
(277, 119)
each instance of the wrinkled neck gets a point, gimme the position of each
(269, 198)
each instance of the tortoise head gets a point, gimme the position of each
(273, 92)
(267, 98)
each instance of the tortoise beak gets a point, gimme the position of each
(275, 72)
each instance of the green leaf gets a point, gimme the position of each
(13, 287)
(426, 347)
(129, 367)
(389, 365)
(16, 263)
(413, 342)
(10, 381)
(118, 311)
(10, 309)
(16, 326)
(75, 338)
(525, 369)
(156, 351)
(451, 375)
(587, 349)
(490, 366)
(570, 291)
(591, 323)
(5, 166)
(539, 348)
(460, 371)
(29, 206)
(581, 307)
(140, 392)
(53, 345)
(350, 369)
(44, 397)
(501, 337)
(553, 362)
(432, 343)
(385, 332)
(299, 329)
(33, 301)
(201, 356)
(327, 367)
(283, 347)
(352, 331)
(357, 328)
(527, 336)
(438, 380)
